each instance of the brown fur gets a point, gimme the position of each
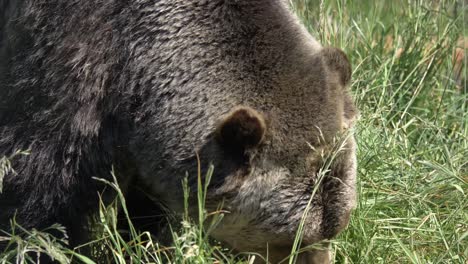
(147, 87)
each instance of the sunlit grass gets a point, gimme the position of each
(412, 132)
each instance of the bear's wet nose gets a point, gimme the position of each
(242, 128)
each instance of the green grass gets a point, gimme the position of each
(412, 132)
(412, 144)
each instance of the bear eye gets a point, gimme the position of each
(241, 129)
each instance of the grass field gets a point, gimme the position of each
(412, 134)
(409, 83)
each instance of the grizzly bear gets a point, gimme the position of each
(147, 86)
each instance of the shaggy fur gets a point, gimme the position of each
(143, 85)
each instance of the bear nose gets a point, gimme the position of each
(242, 128)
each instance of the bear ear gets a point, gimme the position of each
(242, 128)
(338, 62)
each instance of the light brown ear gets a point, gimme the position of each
(338, 62)
(242, 128)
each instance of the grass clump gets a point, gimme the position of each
(191, 243)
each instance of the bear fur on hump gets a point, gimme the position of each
(142, 86)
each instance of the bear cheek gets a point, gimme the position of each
(241, 129)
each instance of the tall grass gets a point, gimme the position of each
(191, 243)
(412, 132)
(412, 145)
